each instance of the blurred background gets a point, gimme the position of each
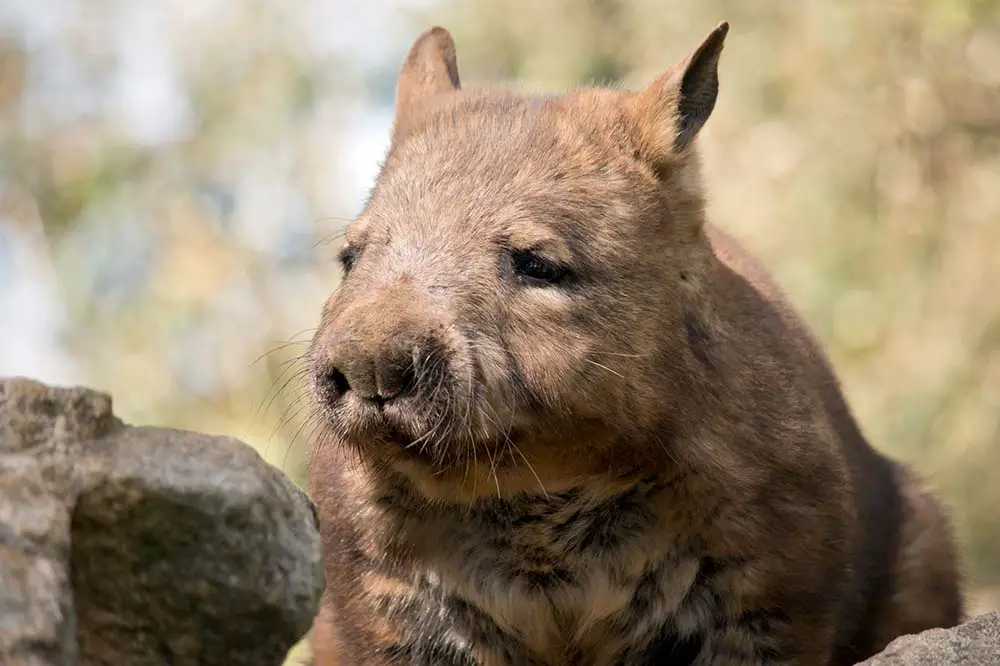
(174, 177)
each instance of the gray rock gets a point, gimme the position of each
(144, 546)
(974, 643)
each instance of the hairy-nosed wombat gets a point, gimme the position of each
(565, 422)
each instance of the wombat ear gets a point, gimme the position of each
(430, 68)
(673, 108)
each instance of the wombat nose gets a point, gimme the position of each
(393, 377)
(377, 377)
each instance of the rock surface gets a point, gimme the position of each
(975, 643)
(144, 546)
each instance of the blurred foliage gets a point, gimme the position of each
(175, 175)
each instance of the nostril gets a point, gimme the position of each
(408, 379)
(392, 380)
(336, 379)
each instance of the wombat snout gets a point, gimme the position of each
(381, 350)
(376, 371)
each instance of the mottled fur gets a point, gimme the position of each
(631, 453)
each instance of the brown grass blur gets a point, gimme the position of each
(855, 147)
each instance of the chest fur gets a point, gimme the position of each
(553, 581)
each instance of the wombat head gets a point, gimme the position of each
(514, 311)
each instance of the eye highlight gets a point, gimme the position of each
(347, 256)
(534, 269)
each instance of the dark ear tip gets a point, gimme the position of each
(435, 43)
(433, 40)
(439, 34)
(718, 35)
(712, 45)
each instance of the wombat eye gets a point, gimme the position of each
(347, 256)
(535, 269)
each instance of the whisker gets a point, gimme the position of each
(297, 374)
(493, 470)
(280, 347)
(330, 238)
(292, 441)
(292, 413)
(517, 450)
(604, 367)
(471, 439)
(320, 220)
(275, 392)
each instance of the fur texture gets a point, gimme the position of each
(564, 421)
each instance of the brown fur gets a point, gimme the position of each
(566, 422)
